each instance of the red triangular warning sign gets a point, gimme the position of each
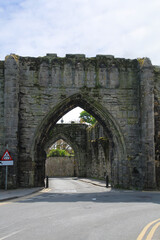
(6, 156)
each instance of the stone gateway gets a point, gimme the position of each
(123, 95)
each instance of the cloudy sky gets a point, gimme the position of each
(123, 28)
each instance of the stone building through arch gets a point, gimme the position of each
(60, 133)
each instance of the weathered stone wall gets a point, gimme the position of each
(2, 137)
(1, 106)
(60, 167)
(99, 162)
(11, 114)
(118, 92)
(46, 82)
(147, 123)
(157, 122)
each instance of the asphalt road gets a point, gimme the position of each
(76, 210)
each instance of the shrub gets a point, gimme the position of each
(58, 153)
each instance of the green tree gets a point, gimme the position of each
(57, 153)
(85, 117)
(60, 149)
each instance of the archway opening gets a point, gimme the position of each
(109, 140)
(60, 161)
(92, 143)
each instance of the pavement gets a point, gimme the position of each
(77, 209)
(6, 195)
(96, 182)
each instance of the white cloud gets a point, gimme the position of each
(73, 115)
(126, 28)
(122, 28)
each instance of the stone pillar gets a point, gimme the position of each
(147, 123)
(1, 119)
(11, 110)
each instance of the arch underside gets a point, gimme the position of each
(119, 164)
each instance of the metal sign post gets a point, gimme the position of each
(6, 178)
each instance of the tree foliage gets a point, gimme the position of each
(57, 153)
(60, 149)
(85, 117)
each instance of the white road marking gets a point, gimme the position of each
(69, 191)
(11, 234)
(94, 199)
(65, 191)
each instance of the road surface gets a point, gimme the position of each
(76, 210)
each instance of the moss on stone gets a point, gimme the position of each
(141, 61)
(16, 57)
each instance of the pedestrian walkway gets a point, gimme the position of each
(96, 182)
(16, 193)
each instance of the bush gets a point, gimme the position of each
(58, 153)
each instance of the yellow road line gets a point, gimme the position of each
(151, 233)
(141, 235)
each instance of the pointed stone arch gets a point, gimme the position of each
(120, 173)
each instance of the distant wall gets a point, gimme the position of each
(60, 167)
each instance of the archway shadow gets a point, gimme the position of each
(99, 195)
(107, 197)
